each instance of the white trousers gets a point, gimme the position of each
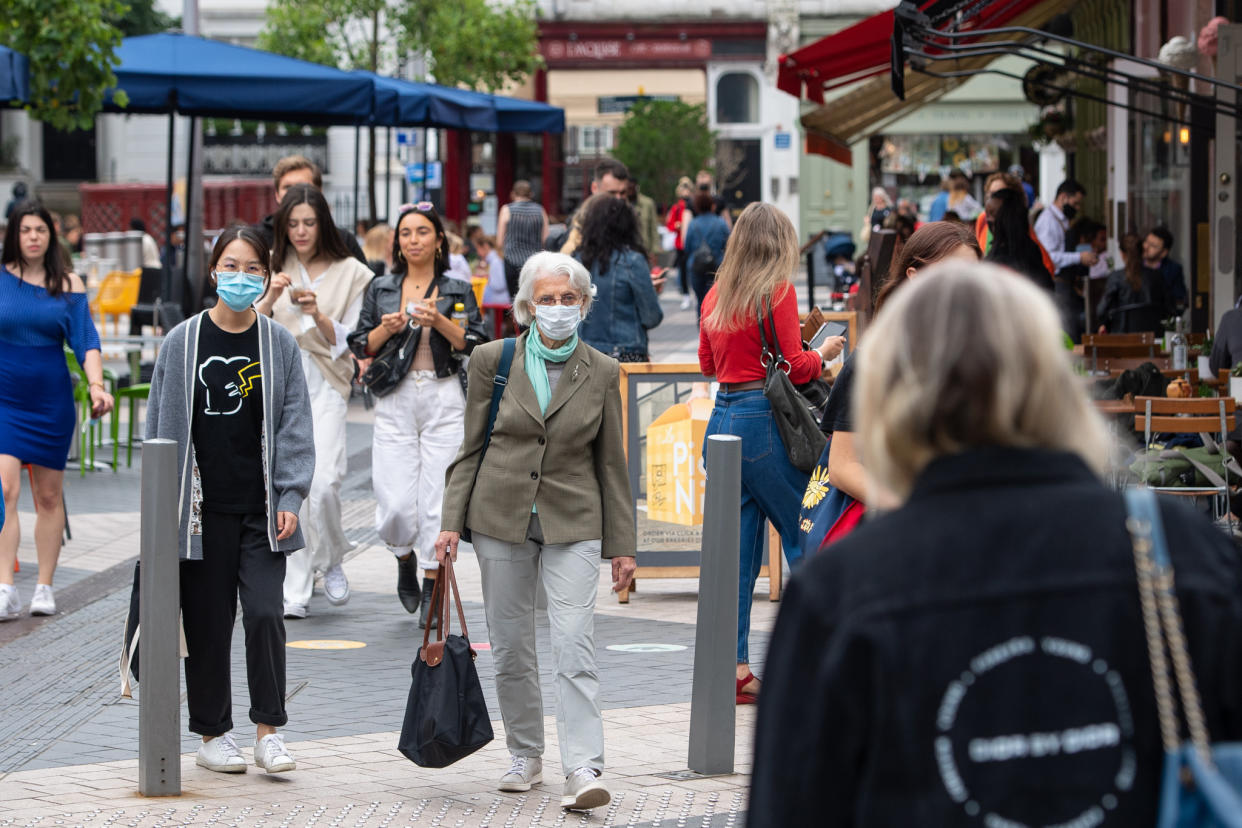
(320, 515)
(418, 429)
(511, 573)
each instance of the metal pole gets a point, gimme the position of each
(357, 161)
(194, 217)
(166, 288)
(424, 189)
(387, 174)
(1224, 183)
(712, 698)
(159, 701)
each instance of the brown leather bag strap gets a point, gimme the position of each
(435, 599)
(446, 571)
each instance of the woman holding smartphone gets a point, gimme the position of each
(228, 389)
(317, 297)
(419, 421)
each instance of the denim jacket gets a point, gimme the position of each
(708, 228)
(384, 296)
(625, 306)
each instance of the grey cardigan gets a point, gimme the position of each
(288, 441)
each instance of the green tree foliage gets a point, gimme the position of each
(474, 43)
(661, 141)
(72, 50)
(141, 17)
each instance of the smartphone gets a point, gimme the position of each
(830, 328)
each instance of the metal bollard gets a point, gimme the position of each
(159, 698)
(712, 698)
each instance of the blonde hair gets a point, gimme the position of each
(455, 243)
(377, 244)
(760, 257)
(968, 355)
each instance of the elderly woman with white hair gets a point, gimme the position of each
(544, 499)
(976, 655)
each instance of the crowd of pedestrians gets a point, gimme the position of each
(954, 614)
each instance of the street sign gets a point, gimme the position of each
(620, 104)
(407, 137)
(434, 177)
(784, 140)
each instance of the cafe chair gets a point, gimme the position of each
(1212, 418)
(118, 292)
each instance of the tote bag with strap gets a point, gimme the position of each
(828, 513)
(1201, 783)
(799, 429)
(446, 715)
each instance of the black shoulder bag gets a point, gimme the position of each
(798, 427)
(499, 382)
(394, 359)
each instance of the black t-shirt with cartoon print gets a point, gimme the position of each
(228, 420)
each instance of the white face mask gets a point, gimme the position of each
(558, 322)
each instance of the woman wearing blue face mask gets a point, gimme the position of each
(550, 498)
(228, 388)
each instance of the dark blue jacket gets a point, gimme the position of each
(709, 228)
(979, 651)
(625, 306)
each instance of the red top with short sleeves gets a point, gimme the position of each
(733, 356)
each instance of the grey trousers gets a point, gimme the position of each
(570, 574)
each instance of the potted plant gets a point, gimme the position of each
(1235, 381)
(1205, 356)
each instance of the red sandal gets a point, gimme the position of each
(746, 698)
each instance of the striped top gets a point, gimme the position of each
(524, 235)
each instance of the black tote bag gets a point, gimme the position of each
(799, 429)
(446, 716)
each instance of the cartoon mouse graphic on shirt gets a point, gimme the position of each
(228, 381)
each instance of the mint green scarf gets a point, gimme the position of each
(537, 355)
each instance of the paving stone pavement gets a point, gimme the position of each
(68, 742)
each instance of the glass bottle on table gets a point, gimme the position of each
(1178, 347)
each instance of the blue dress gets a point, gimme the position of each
(37, 415)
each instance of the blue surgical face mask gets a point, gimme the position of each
(558, 322)
(238, 290)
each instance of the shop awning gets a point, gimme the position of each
(14, 76)
(855, 53)
(832, 129)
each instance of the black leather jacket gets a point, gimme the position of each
(384, 296)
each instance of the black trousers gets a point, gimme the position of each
(702, 284)
(237, 561)
(512, 272)
(683, 275)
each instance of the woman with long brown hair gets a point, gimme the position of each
(1134, 300)
(753, 285)
(931, 243)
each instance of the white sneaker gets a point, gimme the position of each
(43, 602)
(295, 610)
(336, 586)
(686, 303)
(10, 604)
(271, 755)
(523, 772)
(584, 791)
(221, 755)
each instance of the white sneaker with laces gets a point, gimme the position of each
(584, 791)
(221, 755)
(272, 755)
(336, 586)
(43, 602)
(10, 604)
(523, 772)
(295, 610)
(687, 303)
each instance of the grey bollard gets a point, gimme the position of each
(159, 698)
(713, 696)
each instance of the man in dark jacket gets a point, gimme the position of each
(298, 169)
(1157, 245)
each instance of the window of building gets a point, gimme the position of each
(737, 99)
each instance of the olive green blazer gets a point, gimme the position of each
(568, 463)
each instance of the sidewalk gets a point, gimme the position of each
(68, 743)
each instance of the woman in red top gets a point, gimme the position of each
(759, 261)
(678, 221)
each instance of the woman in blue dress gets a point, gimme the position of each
(42, 307)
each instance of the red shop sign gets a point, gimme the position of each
(618, 49)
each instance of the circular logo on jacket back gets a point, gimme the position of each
(1027, 711)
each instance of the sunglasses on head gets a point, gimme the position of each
(422, 207)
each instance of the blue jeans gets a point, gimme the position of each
(772, 490)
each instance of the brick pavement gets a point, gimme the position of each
(68, 743)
